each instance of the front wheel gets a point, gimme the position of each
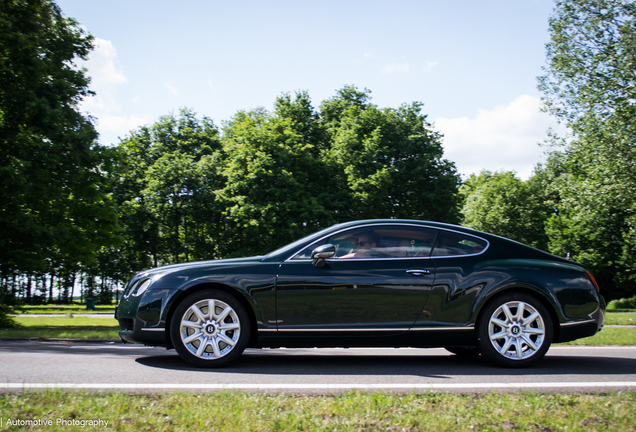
(514, 330)
(210, 329)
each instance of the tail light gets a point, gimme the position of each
(593, 281)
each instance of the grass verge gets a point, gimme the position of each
(608, 336)
(64, 309)
(352, 411)
(620, 318)
(74, 327)
(80, 327)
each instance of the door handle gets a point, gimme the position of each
(418, 272)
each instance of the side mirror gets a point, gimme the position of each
(321, 253)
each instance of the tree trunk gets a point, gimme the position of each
(27, 288)
(51, 287)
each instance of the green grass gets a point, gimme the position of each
(352, 411)
(76, 327)
(620, 318)
(57, 309)
(607, 337)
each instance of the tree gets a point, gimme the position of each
(52, 182)
(503, 204)
(167, 177)
(590, 85)
(188, 192)
(278, 187)
(296, 170)
(390, 159)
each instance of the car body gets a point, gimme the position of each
(371, 283)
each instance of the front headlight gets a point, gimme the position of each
(142, 287)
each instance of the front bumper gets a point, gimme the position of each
(143, 319)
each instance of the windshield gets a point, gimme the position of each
(291, 247)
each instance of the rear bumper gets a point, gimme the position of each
(581, 329)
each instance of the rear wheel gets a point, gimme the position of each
(210, 329)
(515, 330)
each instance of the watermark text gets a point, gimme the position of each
(60, 422)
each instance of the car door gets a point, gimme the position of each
(376, 283)
(458, 281)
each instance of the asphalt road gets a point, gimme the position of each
(100, 366)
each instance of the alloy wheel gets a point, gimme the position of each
(516, 330)
(210, 329)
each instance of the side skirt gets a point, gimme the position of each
(416, 338)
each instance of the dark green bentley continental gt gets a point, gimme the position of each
(372, 283)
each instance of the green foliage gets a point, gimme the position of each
(55, 209)
(6, 320)
(389, 158)
(296, 170)
(165, 184)
(502, 204)
(591, 58)
(624, 303)
(590, 85)
(188, 192)
(276, 186)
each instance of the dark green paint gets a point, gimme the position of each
(372, 302)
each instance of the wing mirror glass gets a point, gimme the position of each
(321, 253)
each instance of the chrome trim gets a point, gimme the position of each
(367, 329)
(578, 322)
(290, 259)
(266, 330)
(418, 272)
(154, 329)
(368, 259)
(342, 329)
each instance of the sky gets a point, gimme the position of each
(473, 64)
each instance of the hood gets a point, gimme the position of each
(194, 265)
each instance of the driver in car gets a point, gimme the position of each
(367, 242)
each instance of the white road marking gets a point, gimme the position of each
(274, 387)
(111, 346)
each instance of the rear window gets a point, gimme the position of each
(453, 244)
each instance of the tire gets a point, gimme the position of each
(467, 351)
(514, 330)
(210, 340)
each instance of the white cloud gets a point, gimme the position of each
(103, 66)
(505, 138)
(393, 68)
(112, 127)
(172, 90)
(107, 78)
(429, 66)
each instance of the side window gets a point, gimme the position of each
(306, 253)
(358, 243)
(383, 242)
(451, 244)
